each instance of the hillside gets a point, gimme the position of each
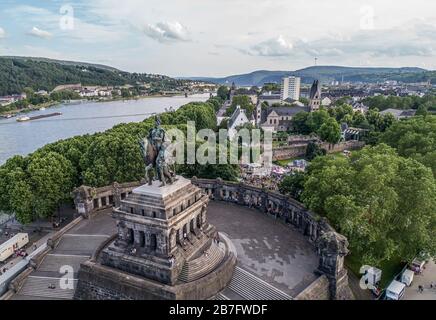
(17, 73)
(326, 74)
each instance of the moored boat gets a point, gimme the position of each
(23, 119)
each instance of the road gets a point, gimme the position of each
(425, 279)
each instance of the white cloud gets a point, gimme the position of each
(2, 33)
(272, 48)
(411, 40)
(167, 31)
(36, 32)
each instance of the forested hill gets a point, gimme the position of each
(327, 74)
(17, 73)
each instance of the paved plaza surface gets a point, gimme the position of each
(424, 279)
(267, 248)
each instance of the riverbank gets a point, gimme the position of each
(50, 104)
(22, 138)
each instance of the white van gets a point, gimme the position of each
(407, 277)
(395, 291)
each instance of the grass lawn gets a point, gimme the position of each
(284, 163)
(389, 268)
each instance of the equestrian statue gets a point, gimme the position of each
(153, 150)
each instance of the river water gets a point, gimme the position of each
(22, 138)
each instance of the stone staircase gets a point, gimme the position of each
(53, 262)
(251, 287)
(198, 268)
(193, 245)
(220, 296)
(39, 287)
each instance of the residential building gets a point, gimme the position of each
(400, 114)
(290, 88)
(270, 98)
(279, 118)
(238, 119)
(326, 102)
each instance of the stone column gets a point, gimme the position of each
(264, 202)
(333, 248)
(218, 189)
(116, 194)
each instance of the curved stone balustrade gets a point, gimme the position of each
(331, 246)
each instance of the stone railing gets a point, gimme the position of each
(330, 246)
(89, 200)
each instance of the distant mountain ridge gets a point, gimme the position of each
(323, 73)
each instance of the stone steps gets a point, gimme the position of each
(38, 287)
(77, 244)
(220, 296)
(198, 268)
(53, 262)
(251, 287)
(192, 246)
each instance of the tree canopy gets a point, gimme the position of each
(414, 138)
(385, 204)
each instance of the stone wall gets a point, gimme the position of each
(98, 282)
(317, 290)
(331, 246)
(299, 150)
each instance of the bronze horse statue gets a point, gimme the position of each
(149, 154)
(155, 159)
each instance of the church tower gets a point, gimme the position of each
(315, 96)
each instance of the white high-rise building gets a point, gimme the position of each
(291, 88)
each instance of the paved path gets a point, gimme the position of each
(428, 276)
(266, 248)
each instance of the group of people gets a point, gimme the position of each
(270, 182)
(432, 286)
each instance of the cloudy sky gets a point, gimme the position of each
(222, 37)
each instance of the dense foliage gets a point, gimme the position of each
(293, 185)
(385, 204)
(427, 102)
(414, 138)
(244, 102)
(19, 73)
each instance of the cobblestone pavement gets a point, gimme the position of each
(272, 251)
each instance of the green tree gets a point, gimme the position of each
(316, 119)
(51, 181)
(112, 157)
(293, 185)
(244, 102)
(415, 138)
(330, 131)
(314, 150)
(383, 203)
(299, 123)
(223, 93)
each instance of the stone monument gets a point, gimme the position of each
(165, 248)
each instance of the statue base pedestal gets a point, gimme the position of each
(164, 249)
